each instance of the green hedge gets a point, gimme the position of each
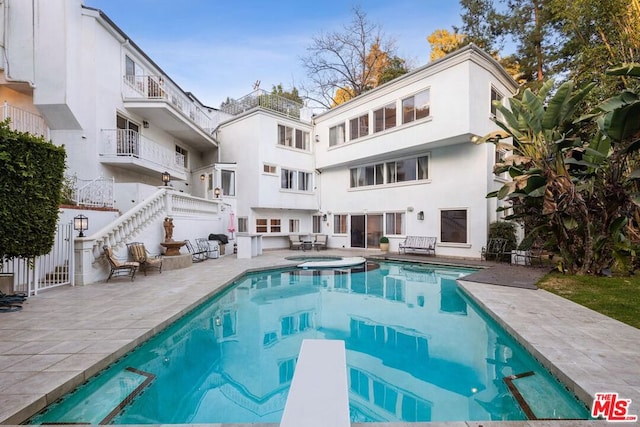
(31, 175)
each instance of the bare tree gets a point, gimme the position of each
(349, 61)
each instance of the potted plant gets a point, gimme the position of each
(384, 244)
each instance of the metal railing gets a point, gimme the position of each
(46, 271)
(156, 88)
(24, 121)
(97, 192)
(124, 142)
(264, 99)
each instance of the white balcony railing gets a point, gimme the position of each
(264, 99)
(129, 143)
(155, 87)
(24, 121)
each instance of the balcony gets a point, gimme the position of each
(263, 99)
(166, 106)
(24, 121)
(128, 149)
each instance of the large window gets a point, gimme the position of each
(275, 225)
(453, 226)
(367, 175)
(294, 226)
(336, 135)
(359, 127)
(181, 156)
(290, 137)
(408, 169)
(415, 107)
(295, 180)
(272, 225)
(261, 225)
(385, 117)
(340, 224)
(394, 223)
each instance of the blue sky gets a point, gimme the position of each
(219, 48)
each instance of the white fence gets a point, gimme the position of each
(24, 121)
(47, 271)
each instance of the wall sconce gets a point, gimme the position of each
(202, 177)
(420, 215)
(324, 218)
(317, 138)
(166, 178)
(145, 124)
(216, 192)
(218, 321)
(80, 223)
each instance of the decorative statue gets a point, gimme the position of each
(168, 229)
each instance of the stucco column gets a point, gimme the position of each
(83, 260)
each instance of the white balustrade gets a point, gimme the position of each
(25, 121)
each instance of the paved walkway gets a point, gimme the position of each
(64, 336)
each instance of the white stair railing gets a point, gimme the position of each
(97, 192)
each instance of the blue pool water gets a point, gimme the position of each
(417, 350)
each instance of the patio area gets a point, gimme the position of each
(65, 335)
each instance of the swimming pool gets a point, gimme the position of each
(417, 350)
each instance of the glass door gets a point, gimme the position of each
(374, 230)
(357, 231)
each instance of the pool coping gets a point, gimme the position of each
(506, 304)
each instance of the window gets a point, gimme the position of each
(302, 140)
(133, 71)
(270, 169)
(336, 135)
(294, 226)
(359, 127)
(395, 223)
(415, 409)
(408, 169)
(229, 319)
(359, 383)
(394, 289)
(127, 137)
(181, 156)
(261, 225)
(453, 226)
(340, 224)
(415, 107)
(287, 326)
(304, 322)
(317, 224)
(274, 225)
(285, 136)
(285, 369)
(243, 224)
(495, 96)
(228, 182)
(269, 338)
(367, 175)
(384, 118)
(295, 180)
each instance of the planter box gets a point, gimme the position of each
(6, 283)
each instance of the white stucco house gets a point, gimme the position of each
(396, 161)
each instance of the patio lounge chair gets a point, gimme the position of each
(140, 255)
(320, 242)
(197, 254)
(295, 242)
(120, 268)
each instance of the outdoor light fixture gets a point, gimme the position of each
(145, 124)
(218, 321)
(202, 177)
(80, 223)
(421, 215)
(216, 192)
(324, 217)
(166, 178)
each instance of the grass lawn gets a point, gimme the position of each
(616, 297)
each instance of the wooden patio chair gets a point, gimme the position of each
(141, 255)
(118, 268)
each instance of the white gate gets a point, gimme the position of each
(46, 271)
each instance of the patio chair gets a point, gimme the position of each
(118, 268)
(495, 249)
(210, 247)
(295, 242)
(320, 242)
(197, 254)
(140, 255)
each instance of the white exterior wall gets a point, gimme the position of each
(251, 141)
(460, 172)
